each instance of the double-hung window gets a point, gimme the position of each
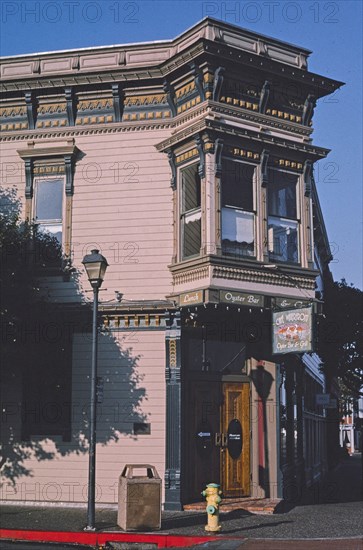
(191, 214)
(238, 215)
(283, 244)
(48, 206)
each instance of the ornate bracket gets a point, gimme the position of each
(265, 94)
(170, 97)
(308, 167)
(171, 159)
(68, 162)
(264, 167)
(198, 80)
(71, 106)
(118, 101)
(217, 83)
(308, 111)
(31, 110)
(29, 178)
(218, 145)
(200, 146)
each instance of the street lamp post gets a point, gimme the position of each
(95, 265)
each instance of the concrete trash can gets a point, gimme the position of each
(139, 498)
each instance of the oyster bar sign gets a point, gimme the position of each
(292, 331)
(241, 298)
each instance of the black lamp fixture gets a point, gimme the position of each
(95, 265)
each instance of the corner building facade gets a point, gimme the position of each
(189, 164)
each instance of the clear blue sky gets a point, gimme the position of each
(331, 29)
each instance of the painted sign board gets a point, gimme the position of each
(241, 298)
(191, 298)
(292, 331)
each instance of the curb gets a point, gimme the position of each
(93, 539)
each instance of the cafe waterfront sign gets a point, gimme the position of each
(241, 298)
(292, 331)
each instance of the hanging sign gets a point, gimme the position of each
(241, 298)
(292, 331)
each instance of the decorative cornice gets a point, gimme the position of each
(261, 118)
(190, 275)
(66, 133)
(254, 136)
(242, 270)
(263, 277)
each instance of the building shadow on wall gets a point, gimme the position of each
(46, 359)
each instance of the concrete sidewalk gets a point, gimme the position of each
(334, 512)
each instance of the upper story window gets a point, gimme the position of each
(191, 214)
(283, 244)
(48, 206)
(238, 215)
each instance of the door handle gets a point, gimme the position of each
(218, 440)
(224, 440)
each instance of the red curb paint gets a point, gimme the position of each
(93, 539)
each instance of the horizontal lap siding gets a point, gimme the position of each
(122, 205)
(134, 391)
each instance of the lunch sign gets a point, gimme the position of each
(292, 331)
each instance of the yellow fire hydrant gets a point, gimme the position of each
(212, 493)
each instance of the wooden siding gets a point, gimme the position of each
(133, 371)
(123, 204)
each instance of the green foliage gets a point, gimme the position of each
(341, 335)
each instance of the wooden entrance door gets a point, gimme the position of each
(235, 440)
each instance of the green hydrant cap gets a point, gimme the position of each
(211, 509)
(213, 485)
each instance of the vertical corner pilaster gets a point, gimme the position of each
(173, 412)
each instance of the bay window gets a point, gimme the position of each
(238, 216)
(282, 217)
(191, 214)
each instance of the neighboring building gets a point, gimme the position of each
(189, 164)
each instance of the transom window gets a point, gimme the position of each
(238, 216)
(190, 211)
(48, 206)
(282, 217)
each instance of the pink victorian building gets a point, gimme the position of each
(189, 164)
